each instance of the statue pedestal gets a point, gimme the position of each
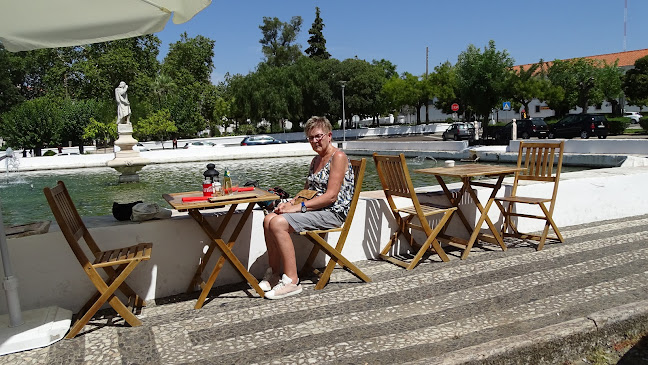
(127, 161)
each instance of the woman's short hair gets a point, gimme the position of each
(318, 122)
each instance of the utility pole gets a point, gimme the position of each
(427, 102)
(343, 83)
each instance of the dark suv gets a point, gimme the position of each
(583, 125)
(526, 128)
(459, 131)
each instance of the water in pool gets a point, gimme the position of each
(94, 190)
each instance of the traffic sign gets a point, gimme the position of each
(506, 105)
(454, 107)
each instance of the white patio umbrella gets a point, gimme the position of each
(34, 24)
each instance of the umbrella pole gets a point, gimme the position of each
(10, 283)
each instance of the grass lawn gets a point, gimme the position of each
(634, 131)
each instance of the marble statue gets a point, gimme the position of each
(123, 106)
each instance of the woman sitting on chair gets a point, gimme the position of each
(331, 175)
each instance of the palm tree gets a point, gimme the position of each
(162, 86)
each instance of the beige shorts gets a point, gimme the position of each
(316, 219)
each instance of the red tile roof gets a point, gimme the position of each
(625, 58)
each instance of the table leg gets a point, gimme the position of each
(484, 217)
(227, 254)
(455, 203)
(195, 214)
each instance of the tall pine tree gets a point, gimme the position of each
(317, 48)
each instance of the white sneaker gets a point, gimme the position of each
(285, 288)
(269, 280)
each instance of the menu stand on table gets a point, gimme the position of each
(216, 235)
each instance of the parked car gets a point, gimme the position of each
(260, 140)
(635, 116)
(459, 131)
(583, 125)
(526, 128)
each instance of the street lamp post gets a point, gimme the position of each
(343, 83)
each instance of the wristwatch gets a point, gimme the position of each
(303, 208)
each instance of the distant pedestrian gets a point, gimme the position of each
(175, 143)
(60, 149)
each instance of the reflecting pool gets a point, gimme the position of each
(94, 190)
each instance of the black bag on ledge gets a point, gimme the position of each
(123, 212)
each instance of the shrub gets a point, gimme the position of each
(551, 120)
(643, 122)
(246, 129)
(49, 153)
(618, 125)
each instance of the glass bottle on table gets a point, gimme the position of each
(227, 182)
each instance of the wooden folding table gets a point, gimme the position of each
(466, 173)
(216, 235)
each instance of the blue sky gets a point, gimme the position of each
(399, 31)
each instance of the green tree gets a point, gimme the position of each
(635, 83)
(365, 81)
(76, 115)
(189, 64)
(581, 81)
(317, 42)
(611, 85)
(103, 66)
(525, 85)
(158, 126)
(100, 131)
(32, 124)
(392, 94)
(278, 41)
(275, 95)
(190, 60)
(444, 78)
(222, 113)
(319, 94)
(481, 78)
(186, 112)
(162, 87)
(11, 77)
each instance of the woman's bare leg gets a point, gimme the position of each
(274, 259)
(280, 232)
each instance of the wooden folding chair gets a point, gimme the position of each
(396, 181)
(126, 259)
(335, 254)
(538, 159)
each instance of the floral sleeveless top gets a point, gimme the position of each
(318, 181)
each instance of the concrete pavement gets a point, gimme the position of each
(519, 306)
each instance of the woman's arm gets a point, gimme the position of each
(289, 206)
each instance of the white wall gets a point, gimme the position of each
(49, 274)
(599, 146)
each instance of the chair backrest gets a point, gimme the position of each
(538, 160)
(358, 174)
(69, 221)
(395, 178)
